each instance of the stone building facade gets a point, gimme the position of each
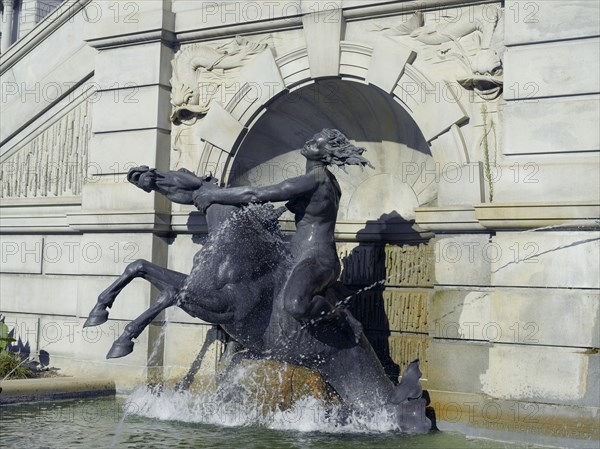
(480, 220)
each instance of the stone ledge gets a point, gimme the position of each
(119, 221)
(531, 215)
(479, 415)
(448, 218)
(30, 390)
(481, 217)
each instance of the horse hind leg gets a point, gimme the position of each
(124, 344)
(158, 276)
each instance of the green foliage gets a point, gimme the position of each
(11, 366)
(4, 338)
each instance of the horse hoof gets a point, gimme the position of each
(120, 349)
(96, 318)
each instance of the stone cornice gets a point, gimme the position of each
(187, 29)
(368, 10)
(64, 215)
(539, 215)
(152, 26)
(510, 216)
(44, 29)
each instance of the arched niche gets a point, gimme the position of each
(370, 118)
(408, 121)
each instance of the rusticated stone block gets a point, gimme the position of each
(397, 350)
(392, 310)
(406, 265)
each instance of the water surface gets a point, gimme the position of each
(93, 423)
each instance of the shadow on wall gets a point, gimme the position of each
(365, 267)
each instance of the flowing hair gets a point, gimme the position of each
(340, 152)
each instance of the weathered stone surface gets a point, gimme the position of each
(182, 251)
(220, 128)
(34, 84)
(294, 66)
(260, 81)
(66, 337)
(37, 390)
(369, 199)
(541, 317)
(109, 254)
(387, 64)
(194, 16)
(115, 153)
(547, 21)
(518, 421)
(61, 254)
(449, 151)
(322, 31)
(461, 314)
(462, 259)
(438, 107)
(552, 126)
(539, 259)
(354, 60)
(39, 294)
(549, 70)
(457, 366)
(536, 373)
(560, 177)
(21, 253)
(139, 65)
(461, 185)
(111, 193)
(448, 218)
(132, 108)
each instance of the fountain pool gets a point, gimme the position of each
(93, 423)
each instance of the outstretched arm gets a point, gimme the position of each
(233, 196)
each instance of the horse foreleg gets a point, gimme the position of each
(124, 344)
(160, 277)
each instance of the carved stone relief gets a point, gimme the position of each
(203, 73)
(475, 38)
(53, 163)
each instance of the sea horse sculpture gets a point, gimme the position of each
(278, 303)
(200, 72)
(485, 65)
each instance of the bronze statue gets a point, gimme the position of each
(277, 304)
(314, 199)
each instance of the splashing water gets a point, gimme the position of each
(305, 415)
